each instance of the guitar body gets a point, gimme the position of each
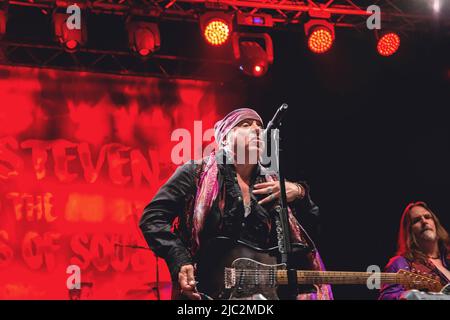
(254, 268)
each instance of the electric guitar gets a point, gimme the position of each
(228, 269)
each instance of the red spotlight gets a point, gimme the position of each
(216, 32)
(70, 39)
(258, 69)
(71, 44)
(388, 44)
(216, 28)
(143, 37)
(320, 40)
(250, 55)
(144, 52)
(253, 61)
(320, 35)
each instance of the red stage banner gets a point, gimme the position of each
(81, 154)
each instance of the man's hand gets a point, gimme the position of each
(187, 282)
(272, 189)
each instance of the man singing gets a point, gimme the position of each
(224, 194)
(423, 245)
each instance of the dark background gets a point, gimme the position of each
(369, 133)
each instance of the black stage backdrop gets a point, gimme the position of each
(369, 134)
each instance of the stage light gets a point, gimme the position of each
(143, 37)
(71, 44)
(388, 44)
(251, 57)
(216, 32)
(320, 40)
(253, 60)
(320, 35)
(3, 20)
(437, 6)
(254, 20)
(216, 27)
(70, 39)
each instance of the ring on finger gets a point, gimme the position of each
(270, 189)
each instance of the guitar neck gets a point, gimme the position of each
(337, 277)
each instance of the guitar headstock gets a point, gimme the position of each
(418, 280)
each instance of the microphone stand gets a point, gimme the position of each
(156, 287)
(284, 239)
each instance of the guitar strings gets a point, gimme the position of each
(323, 273)
(332, 275)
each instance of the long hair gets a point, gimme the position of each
(407, 242)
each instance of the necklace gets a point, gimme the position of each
(247, 209)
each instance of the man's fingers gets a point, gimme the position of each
(186, 277)
(182, 279)
(187, 283)
(266, 190)
(190, 276)
(185, 286)
(270, 198)
(192, 295)
(264, 185)
(265, 200)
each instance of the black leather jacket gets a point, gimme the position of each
(172, 199)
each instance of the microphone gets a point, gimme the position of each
(276, 120)
(266, 159)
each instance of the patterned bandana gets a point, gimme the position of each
(223, 127)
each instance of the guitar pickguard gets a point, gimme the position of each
(251, 280)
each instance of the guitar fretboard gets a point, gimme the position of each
(338, 277)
